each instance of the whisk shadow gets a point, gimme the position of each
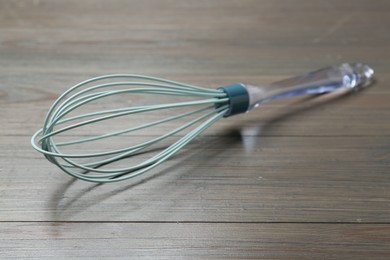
(92, 185)
(66, 207)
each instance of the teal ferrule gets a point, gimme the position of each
(238, 99)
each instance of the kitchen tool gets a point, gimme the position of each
(196, 109)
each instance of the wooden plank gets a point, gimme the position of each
(231, 178)
(194, 241)
(246, 42)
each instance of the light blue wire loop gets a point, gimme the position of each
(209, 106)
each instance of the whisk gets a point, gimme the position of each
(195, 107)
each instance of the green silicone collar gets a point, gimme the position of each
(238, 99)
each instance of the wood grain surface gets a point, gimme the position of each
(307, 178)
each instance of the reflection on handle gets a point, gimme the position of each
(345, 76)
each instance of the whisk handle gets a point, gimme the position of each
(344, 76)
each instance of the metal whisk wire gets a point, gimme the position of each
(215, 105)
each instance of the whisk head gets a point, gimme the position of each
(96, 129)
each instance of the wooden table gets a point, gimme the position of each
(296, 179)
